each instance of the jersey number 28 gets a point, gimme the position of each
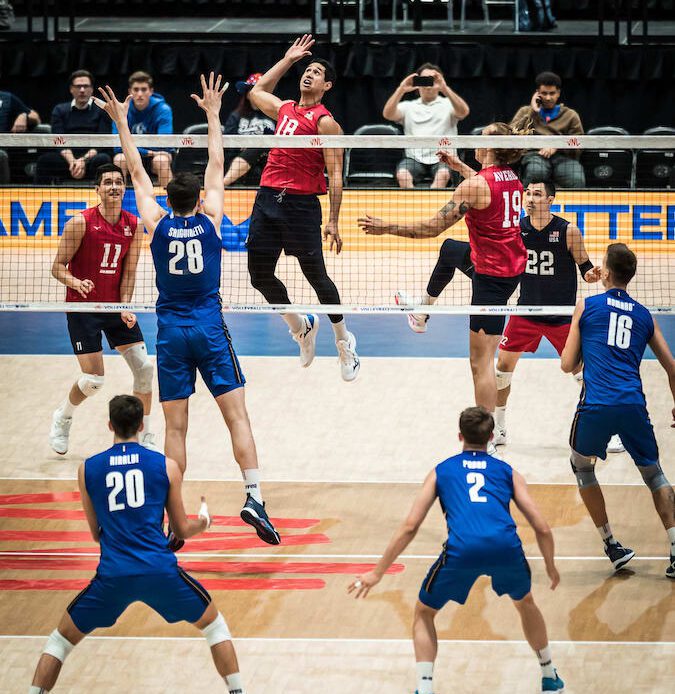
(195, 259)
(131, 483)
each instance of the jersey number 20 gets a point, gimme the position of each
(477, 482)
(619, 332)
(133, 485)
(195, 259)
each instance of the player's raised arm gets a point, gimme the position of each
(261, 96)
(576, 247)
(210, 102)
(401, 539)
(89, 511)
(333, 158)
(662, 352)
(542, 531)
(73, 233)
(182, 526)
(151, 212)
(465, 196)
(571, 357)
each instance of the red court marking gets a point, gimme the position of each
(253, 542)
(76, 536)
(71, 514)
(233, 567)
(46, 498)
(209, 584)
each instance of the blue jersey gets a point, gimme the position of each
(187, 253)
(475, 491)
(128, 487)
(615, 330)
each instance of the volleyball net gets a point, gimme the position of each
(628, 196)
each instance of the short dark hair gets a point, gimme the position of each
(80, 73)
(621, 262)
(140, 76)
(428, 66)
(329, 70)
(126, 415)
(107, 168)
(183, 192)
(476, 425)
(548, 184)
(550, 79)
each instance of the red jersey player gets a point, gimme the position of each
(287, 213)
(96, 260)
(491, 200)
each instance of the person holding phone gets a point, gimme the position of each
(435, 113)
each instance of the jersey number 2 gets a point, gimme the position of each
(477, 482)
(195, 259)
(619, 332)
(132, 483)
(512, 205)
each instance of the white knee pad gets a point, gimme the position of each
(503, 379)
(58, 646)
(217, 631)
(90, 384)
(141, 367)
(583, 468)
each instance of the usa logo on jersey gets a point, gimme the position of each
(554, 237)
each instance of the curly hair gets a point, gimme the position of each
(507, 156)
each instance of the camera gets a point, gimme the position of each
(419, 81)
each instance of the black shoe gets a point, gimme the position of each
(618, 555)
(254, 514)
(670, 571)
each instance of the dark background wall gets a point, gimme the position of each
(610, 85)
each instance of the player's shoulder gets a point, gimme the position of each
(129, 218)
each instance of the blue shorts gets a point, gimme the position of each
(175, 596)
(450, 578)
(594, 426)
(181, 351)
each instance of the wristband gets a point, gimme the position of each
(585, 267)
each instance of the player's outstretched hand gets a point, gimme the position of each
(117, 110)
(212, 93)
(83, 287)
(128, 318)
(373, 225)
(331, 231)
(594, 274)
(300, 48)
(451, 159)
(204, 512)
(554, 576)
(363, 584)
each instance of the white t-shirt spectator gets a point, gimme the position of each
(435, 119)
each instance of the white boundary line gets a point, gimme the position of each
(253, 639)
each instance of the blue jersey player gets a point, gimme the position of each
(609, 334)
(124, 493)
(474, 490)
(192, 335)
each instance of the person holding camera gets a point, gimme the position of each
(435, 113)
(548, 117)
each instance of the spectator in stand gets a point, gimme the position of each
(247, 120)
(434, 113)
(15, 117)
(149, 114)
(75, 117)
(547, 117)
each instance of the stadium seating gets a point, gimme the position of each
(371, 167)
(192, 160)
(611, 168)
(655, 168)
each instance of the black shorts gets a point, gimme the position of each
(85, 331)
(491, 291)
(281, 221)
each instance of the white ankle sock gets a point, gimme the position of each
(294, 321)
(546, 662)
(427, 299)
(425, 674)
(36, 690)
(147, 429)
(340, 330)
(671, 537)
(234, 683)
(500, 417)
(252, 483)
(67, 408)
(606, 534)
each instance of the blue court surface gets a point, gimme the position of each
(266, 335)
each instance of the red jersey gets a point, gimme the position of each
(100, 257)
(299, 171)
(497, 248)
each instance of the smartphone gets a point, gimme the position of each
(419, 81)
(538, 101)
